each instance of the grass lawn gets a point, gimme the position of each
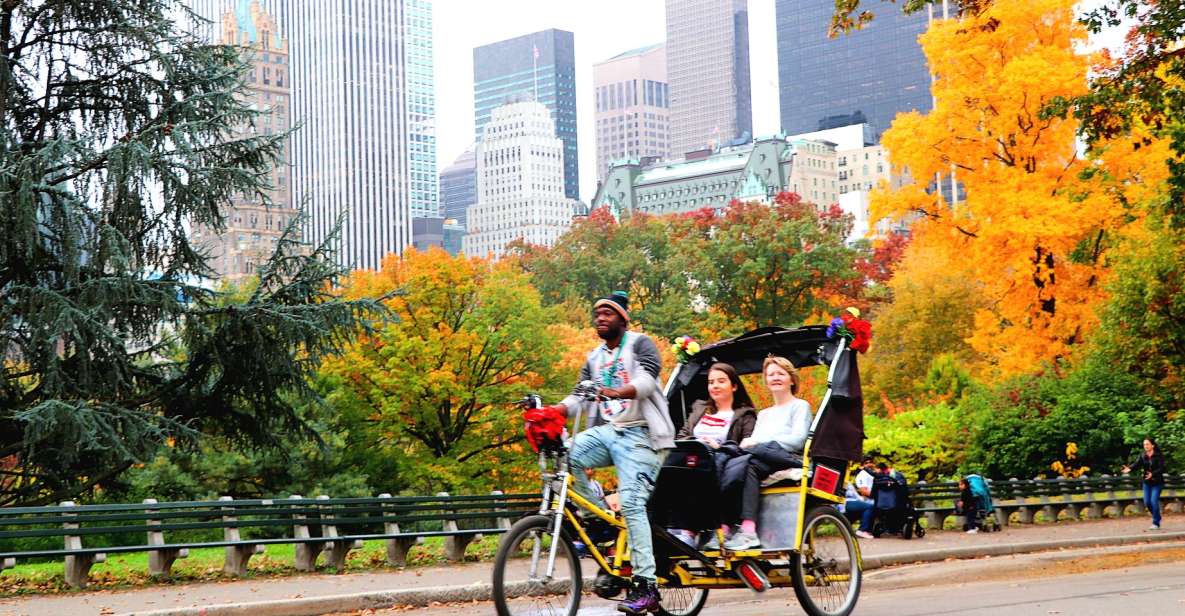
(123, 570)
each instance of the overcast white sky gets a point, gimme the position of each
(602, 30)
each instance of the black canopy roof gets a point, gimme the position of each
(841, 433)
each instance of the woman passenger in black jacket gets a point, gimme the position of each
(727, 414)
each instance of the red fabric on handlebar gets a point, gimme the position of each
(545, 426)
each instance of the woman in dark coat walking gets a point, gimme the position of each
(1151, 462)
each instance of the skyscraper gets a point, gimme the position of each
(708, 72)
(252, 227)
(539, 66)
(458, 187)
(520, 182)
(362, 86)
(879, 71)
(632, 110)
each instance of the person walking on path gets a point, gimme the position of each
(1151, 462)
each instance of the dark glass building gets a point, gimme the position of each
(874, 73)
(539, 66)
(458, 187)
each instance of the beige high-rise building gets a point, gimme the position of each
(632, 107)
(252, 227)
(520, 182)
(708, 73)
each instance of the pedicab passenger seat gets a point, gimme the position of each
(787, 478)
(687, 491)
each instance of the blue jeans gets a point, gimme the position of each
(637, 468)
(1152, 501)
(864, 508)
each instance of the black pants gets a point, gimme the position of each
(765, 459)
(970, 510)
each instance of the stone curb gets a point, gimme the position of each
(480, 591)
(1006, 549)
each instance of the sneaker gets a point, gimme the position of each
(973, 531)
(642, 598)
(713, 541)
(1154, 527)
(742, 541)
(865, 535)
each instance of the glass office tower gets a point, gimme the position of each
(362, 86)
(708, 73)
(539, 66)
(876, 72)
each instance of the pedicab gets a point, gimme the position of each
(806, 543)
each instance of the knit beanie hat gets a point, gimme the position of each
(618, 301)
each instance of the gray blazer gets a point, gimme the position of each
(641, 358)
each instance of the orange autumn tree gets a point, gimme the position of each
(1037, 218)
(434, 387)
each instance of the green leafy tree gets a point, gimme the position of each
(599, 255)
(118, 131)
(435, 388)
(1143, 322)
(760, 265)
(1023, 424)
(331, 464)
(928, 442)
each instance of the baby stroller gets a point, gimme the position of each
(985, 511)
(895, 513)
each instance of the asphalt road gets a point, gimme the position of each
(1129, 588)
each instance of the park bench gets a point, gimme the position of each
(1023, 499)
(315, 526)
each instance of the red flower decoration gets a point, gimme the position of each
(861, 329)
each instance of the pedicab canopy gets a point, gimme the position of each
(840, 432)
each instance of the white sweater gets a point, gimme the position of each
(786, 424)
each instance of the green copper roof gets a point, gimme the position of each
(636, 52)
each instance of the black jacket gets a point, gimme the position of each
(1153, 465)
(744, 420)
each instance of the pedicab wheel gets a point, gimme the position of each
(826, 571)
(521, 586)
(682, 600)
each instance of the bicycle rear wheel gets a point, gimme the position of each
(521, 585)
(826, 571)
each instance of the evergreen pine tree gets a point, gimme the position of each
(118, 131)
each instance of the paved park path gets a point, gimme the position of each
(163, 596)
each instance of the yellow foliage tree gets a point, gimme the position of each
(1038, 217)
(435, 387)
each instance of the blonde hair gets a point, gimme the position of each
(784, 364)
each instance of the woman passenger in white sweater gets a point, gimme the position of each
(776, 444)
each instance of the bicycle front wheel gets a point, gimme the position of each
(826, 571)
(523, 585)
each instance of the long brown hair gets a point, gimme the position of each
(740, 397)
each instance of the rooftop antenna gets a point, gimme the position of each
(535, 69)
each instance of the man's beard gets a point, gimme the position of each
(611, 333)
